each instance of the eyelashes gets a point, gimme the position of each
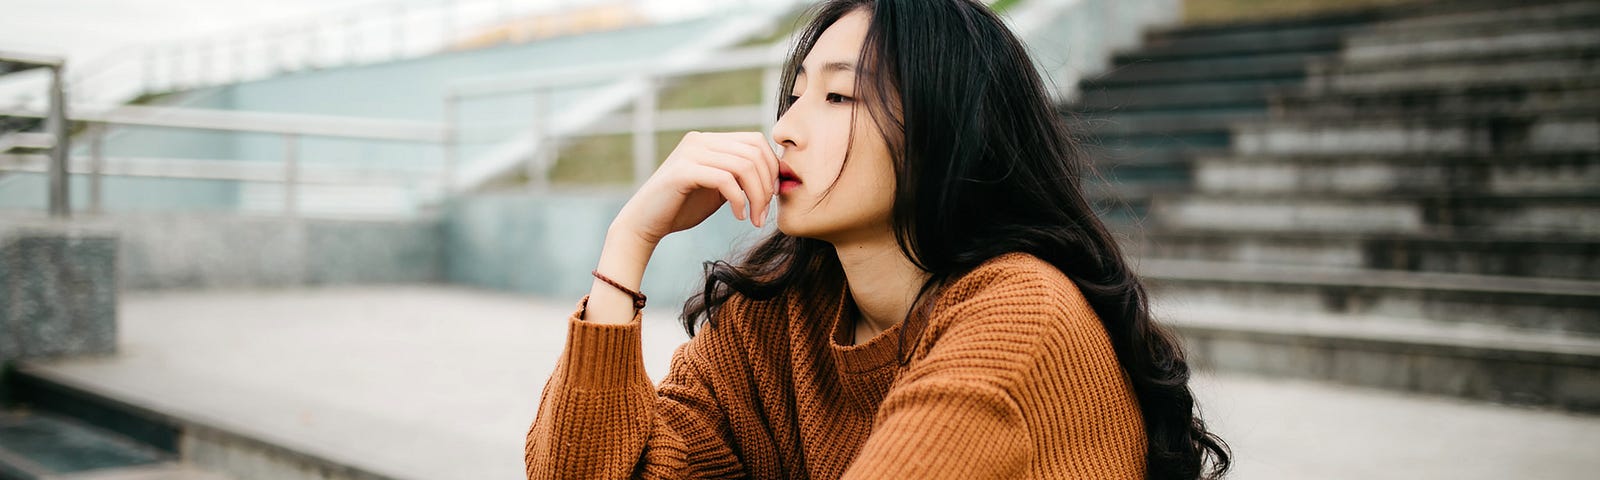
(833, 98)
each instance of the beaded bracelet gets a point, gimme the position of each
(638, 298)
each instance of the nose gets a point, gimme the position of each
(784, 132)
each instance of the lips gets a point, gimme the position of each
(787, 180)
(786, 175)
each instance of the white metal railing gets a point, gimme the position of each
(379, 32)
(364, 34)
(1081, 34)
(644, 120)
(290, 171)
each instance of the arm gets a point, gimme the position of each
(606, 420)
(599, 416)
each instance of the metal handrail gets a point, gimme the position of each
(383, 31)
(290, 127)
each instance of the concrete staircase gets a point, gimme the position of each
(1417, 210)
(1161, 106)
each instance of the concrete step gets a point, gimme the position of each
(1319, 34)
(1228, 95)
(1506, 16)
(1576, 35)
(212, 444)
(1163, 122)
(1473, 254)
(1553, 215)
(1549, 132)
(1513, 174)
(1493, 365)
(1290, 66)
(1176, 156)
(1202, 31)
(36, 445)
(1541, 306)
(167, 471)
(1449, 100)
(1554, 66)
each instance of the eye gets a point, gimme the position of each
(832, 97)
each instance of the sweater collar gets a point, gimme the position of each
(880, 351)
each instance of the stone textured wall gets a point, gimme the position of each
(58, 292)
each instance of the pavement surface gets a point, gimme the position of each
(440, 382)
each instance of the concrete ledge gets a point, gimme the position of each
(1542, 132)
(222, 250)
(1554, 215)
(58, 291)
(1490, 255)
(1539, 305)
(1457, 99)
(1461, 175)
(1502, 367)
(198, 441)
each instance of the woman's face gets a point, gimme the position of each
(813, 134)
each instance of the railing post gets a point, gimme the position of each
(56, 124)
(291, 175)
(644, 131)
(452, 137)
(537, 169)
(97, 166)
(769, 95)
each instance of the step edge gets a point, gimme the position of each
(190, 423)
(1234, 272)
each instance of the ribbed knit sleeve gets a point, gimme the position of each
(600, 418)
(1018, 382)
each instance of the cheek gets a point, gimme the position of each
(861, 199)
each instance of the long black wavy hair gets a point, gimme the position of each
(995, 171)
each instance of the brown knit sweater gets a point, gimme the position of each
(1012, 376)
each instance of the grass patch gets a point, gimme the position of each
(1223, 11)
(608, 159)
(716, 89)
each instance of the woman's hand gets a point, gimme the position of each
(705, 170)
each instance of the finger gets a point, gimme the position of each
(770, 157)
(746, 172)
(764, 147)
(723, 182)
(764, 178)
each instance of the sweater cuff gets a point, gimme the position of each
(603, 356)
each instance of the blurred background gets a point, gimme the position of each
(340, 239)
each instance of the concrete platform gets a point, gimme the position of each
(431, 382)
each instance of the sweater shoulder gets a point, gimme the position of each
(1014, 314)
(1018, 279)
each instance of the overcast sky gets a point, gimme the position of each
(82, 29)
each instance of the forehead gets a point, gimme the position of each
(839, 44)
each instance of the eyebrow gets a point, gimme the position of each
(835, 66)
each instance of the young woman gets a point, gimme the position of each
(939, 300)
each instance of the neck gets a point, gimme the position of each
(883, 281)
